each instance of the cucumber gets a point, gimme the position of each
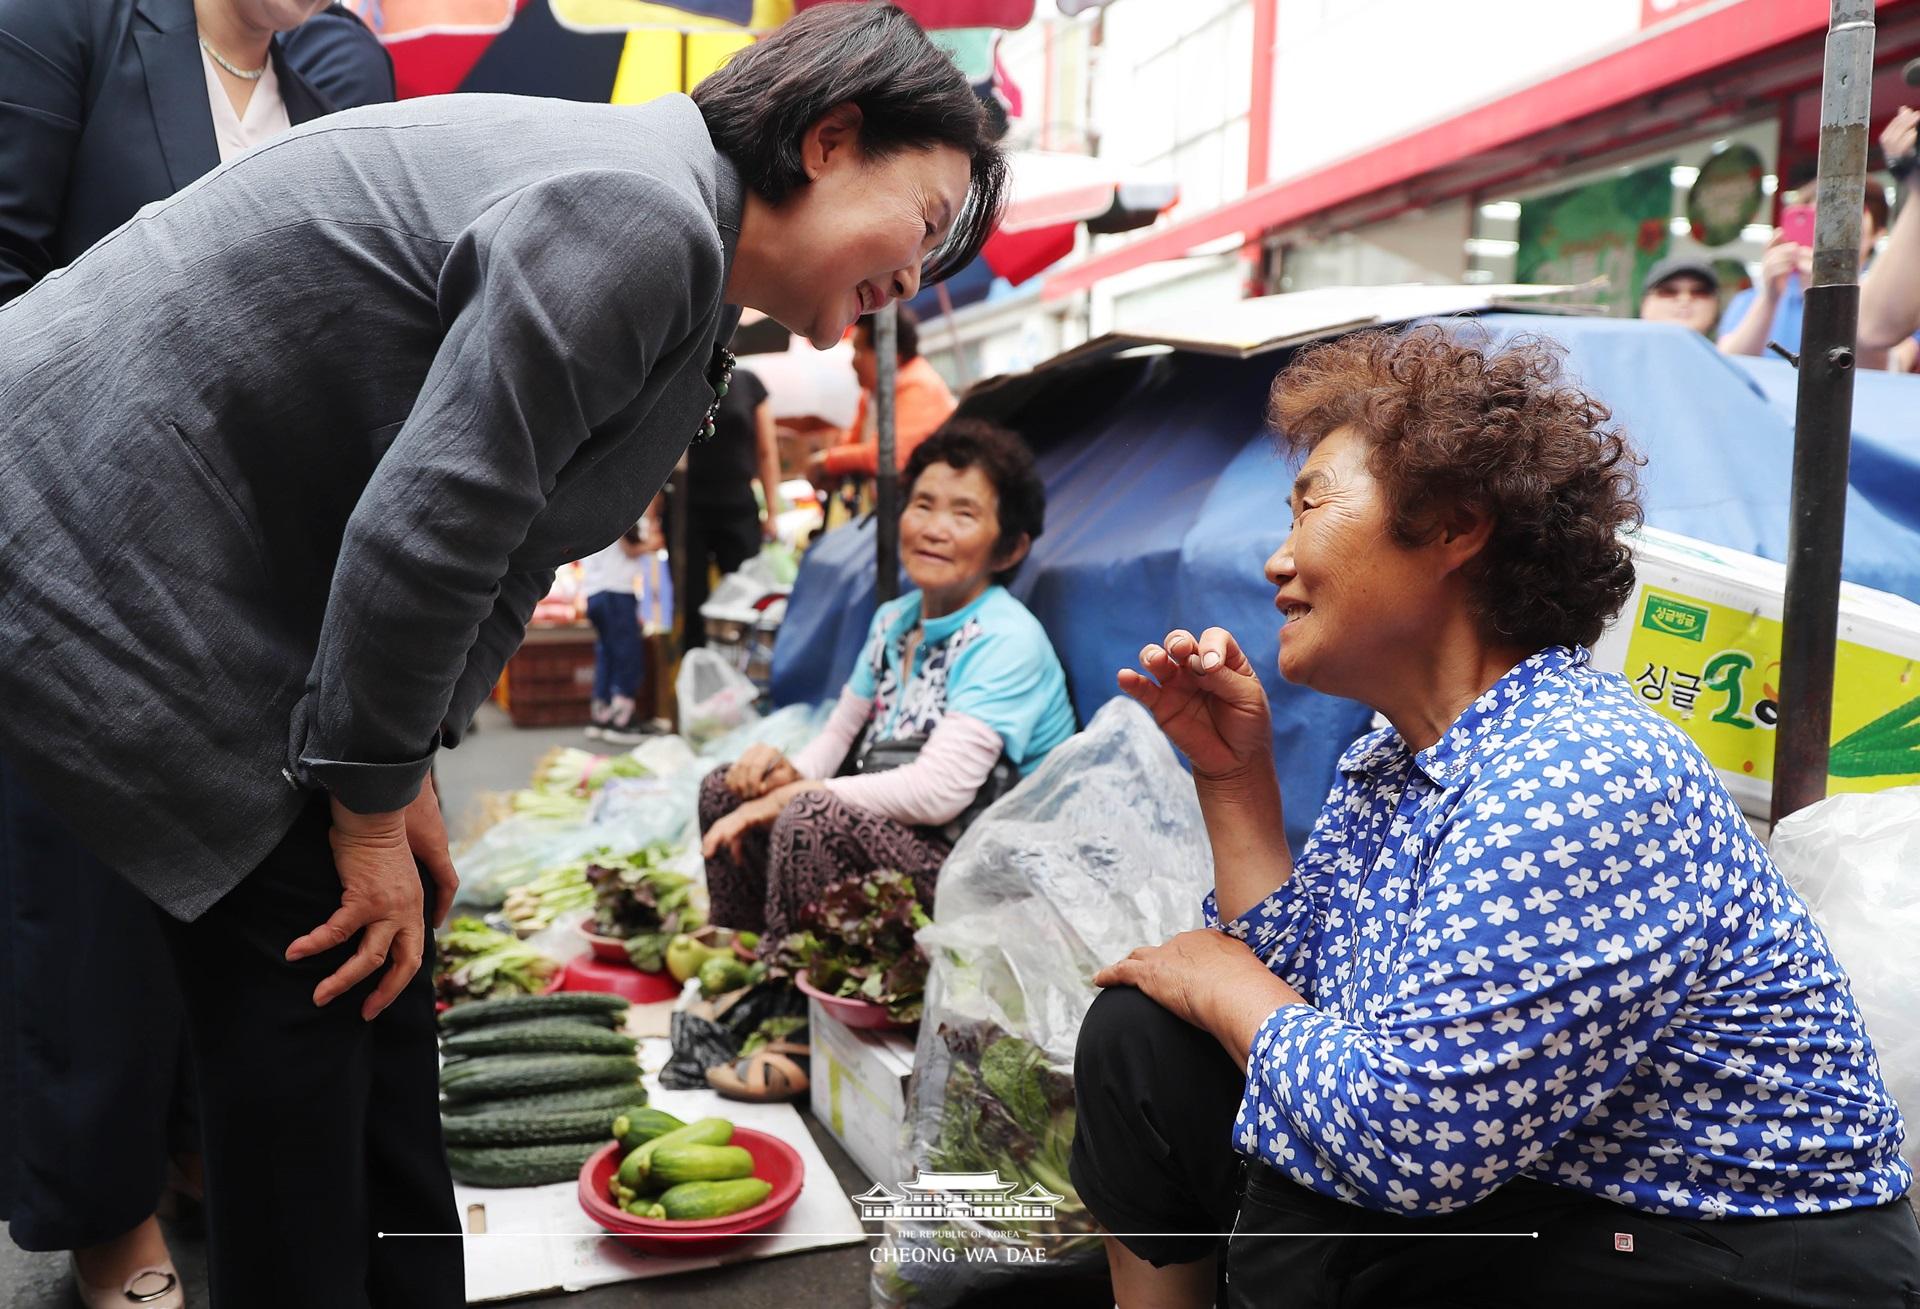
(704, 1131)
(612, 1097)
(505, 1075)
(538, 1038)
(518, 1165)
(636, 1127)
(691, 1200)
(516, 1007)
(671, 1165)
(644, 1209)
(510, 1128)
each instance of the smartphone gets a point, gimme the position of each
(1796, 224)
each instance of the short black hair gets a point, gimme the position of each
(906, 337)
(1021, 496)
(911, 95)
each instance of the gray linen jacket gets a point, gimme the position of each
(287, 460)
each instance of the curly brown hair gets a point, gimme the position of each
(1456, 425)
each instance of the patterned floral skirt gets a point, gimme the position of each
(820, 839)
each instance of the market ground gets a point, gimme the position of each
(499, 757)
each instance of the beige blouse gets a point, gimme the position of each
(266, 115)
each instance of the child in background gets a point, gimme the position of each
(619, 656)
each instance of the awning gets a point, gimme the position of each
(1246, 328)
(1051, 196)
(1709, 44)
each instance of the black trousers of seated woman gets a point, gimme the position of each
(1154, 1162)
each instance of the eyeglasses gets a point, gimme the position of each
(1682, 291)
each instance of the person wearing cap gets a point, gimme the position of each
(1682, 289)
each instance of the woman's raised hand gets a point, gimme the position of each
(760, 770)
(1203, 693)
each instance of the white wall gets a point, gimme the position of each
(1352, 74)
(1171, 89)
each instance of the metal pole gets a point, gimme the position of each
(1823, 420)
(887, 480)
(960, 369)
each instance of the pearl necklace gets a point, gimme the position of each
(720, 378)
(245, 74)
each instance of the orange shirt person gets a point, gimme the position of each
(922, 401)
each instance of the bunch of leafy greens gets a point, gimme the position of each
(857, 941)
(1007, 1108)
(477, 963)
(565, 780)
(643, 904)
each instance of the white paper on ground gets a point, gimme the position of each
(564, 1250)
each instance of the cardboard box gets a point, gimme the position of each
(860, 1093)
(1699, 640)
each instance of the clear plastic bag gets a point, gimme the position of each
(787, 730)
(1101, 850)
(1852, 858)
(516, 850)
(715, 697)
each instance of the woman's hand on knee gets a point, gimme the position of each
(727, 833)
(1203, 693)
(1189, 974)
(380, 900)
(427, 837)
(760, 770)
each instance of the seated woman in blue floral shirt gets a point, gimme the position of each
(1532, 978)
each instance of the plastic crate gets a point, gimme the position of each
(549, 681)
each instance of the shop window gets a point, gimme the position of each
(1708, 197)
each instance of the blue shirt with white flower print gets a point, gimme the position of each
(1550, 946)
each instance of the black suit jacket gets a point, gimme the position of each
(103, 108)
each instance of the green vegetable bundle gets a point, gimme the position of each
(565, 780)
(857, 941)
(478, 963)
(533, 906)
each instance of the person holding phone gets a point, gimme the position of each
(1890, 298)
(1772, 309)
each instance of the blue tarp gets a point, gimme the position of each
(1885, 461)
(1165, 497)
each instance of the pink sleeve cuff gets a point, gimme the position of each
(936, 787)
(824, 754)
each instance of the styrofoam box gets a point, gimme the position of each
(1876, 675)
(860, 1092)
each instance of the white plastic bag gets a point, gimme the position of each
(1855, 860)
(715, 697)
(1101, 850)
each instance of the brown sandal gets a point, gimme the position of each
(767, 1076)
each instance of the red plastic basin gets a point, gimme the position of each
(618, 979)
(851, 1012)
(613, 949)
(774, 1161)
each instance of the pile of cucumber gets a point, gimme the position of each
(682, 1171)
(532, 1083)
